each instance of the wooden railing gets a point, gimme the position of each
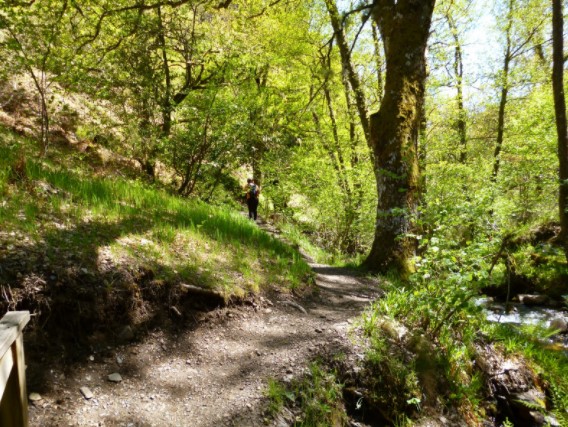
(13, 396)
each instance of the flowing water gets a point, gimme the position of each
(520, 314)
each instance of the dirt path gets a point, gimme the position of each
(215, 373)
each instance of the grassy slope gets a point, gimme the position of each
(108, 243)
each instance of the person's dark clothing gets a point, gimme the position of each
(252, 204)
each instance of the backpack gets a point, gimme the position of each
(252, 193)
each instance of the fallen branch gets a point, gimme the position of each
(203, 292)
(499, 255)
(295, 305)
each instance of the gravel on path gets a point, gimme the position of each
(215, 374)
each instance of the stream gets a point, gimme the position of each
(521, 314)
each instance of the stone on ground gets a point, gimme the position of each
(115, 378)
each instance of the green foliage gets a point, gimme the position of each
(432, 315)
(199, 96)
(543, 264)
(317, 398)
(386, 364)
(403, 420)
(277, 396)
(438, 296)
(319, 255)
(174, 237)
(308, 194)
(464, 208)
(508, 423)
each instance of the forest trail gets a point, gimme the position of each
(214, 372)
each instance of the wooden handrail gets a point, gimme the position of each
(13, 395)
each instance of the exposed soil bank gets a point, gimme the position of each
(206, 369)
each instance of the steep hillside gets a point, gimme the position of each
(91, 252)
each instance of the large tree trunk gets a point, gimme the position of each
(560, 112)
(404, 27)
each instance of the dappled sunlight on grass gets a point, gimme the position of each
(179, 240)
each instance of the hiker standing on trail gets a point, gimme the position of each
(252, 192)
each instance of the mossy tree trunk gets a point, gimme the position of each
(560, 112)
(347, 65)
(404, 27)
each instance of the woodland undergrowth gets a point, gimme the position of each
(73, 238)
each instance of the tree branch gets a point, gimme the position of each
(365, 20)
(141, 8)
(356, 10)
(224, 5)
(263, 11)
(519, 49)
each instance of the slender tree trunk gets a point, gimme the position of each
(500, 124)
(405, 27)
(186, 177)
(350, 205)
(328, 150)
(196, 160)
(334, 131)
(378, 59)
(461, 124)
(504, 93)
(347, 66)
(358, 192)
(258, 115)
(44, 116)
(218, 177)
(147, 160)
(345, 239)
(338, 151)
(560, 112)
(41, 87)
(167, 99)
(351, 84)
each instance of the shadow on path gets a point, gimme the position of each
(215, 372)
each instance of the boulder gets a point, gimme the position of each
(532, 300)
(513, 386)
(559, 324)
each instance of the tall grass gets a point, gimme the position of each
(318, 396)
(185, 234)
(121, 198)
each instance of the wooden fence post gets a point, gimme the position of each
(13, 394)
